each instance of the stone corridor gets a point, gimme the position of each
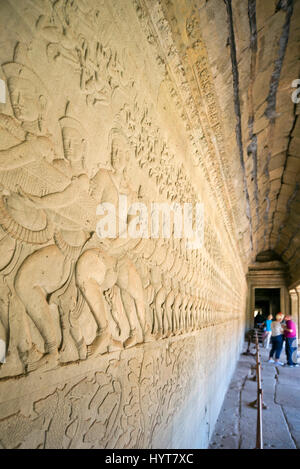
(236, 424)
(149, 210)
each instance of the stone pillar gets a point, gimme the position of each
(294, 304)
(296, 315)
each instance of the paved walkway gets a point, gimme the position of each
(236, 425)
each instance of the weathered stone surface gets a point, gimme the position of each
(157, 395)
(107, 100)
(171, 102)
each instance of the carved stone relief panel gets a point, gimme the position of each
(82, 127)
(130, 403)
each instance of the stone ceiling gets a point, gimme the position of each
(252, 48)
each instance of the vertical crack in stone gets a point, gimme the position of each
(238, 129)
(252, 147)
(270, 112)
(294, 194)
(253, 28)
(287, 6)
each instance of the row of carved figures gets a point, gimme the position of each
(109, 288)
(57, 277)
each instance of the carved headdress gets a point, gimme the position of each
(117, 134)
(18, 69)
(72, 123)
(68, 122)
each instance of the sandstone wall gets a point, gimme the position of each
(111, 342)
(159, 395)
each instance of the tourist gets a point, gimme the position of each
(276, 339)
(290, 335)
(258, 320)
(268, 332)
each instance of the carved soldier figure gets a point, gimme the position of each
(106, 271)
(24, 144)
(176, 307)
(156, 282)
(49, 270)
(110, 264)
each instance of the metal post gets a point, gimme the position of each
(259, 436)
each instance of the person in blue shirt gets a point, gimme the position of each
(268, 331)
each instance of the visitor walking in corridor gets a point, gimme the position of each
(268, 332)
(277, 339)
(290, 335)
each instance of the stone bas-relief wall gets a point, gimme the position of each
(162, 395)
(93, 112)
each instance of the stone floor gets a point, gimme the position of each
(236, 425)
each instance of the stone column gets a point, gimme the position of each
(295, 306)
